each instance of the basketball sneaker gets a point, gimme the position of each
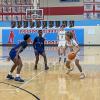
(19, 79)
(10, 77)
(46, 67)
(82, 76)
(69, 70)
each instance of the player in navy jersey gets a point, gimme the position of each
(14, 56)
(38, 45)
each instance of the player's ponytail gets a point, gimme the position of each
(69, 34)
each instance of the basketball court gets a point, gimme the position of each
(53, 84)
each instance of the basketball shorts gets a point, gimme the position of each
(12, 54)
(61, 43)
(37, 53)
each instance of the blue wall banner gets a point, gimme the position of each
(15, 36)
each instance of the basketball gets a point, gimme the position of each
(71, 55)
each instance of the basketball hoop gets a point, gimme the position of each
(34, 14)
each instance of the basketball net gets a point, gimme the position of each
(35, 6)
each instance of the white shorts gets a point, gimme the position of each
(61, 43)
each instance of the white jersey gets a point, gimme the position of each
(61, 35)
(61, 38)
(72, 45)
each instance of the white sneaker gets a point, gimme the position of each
(69, 70)
(82, 76)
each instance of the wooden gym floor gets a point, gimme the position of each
(53, 84)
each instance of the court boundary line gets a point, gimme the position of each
(21, 89)
(30, 80)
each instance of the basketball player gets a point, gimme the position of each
(62, 44)
(38, 45)
(74, 35)
(73, 47)
(14, 56)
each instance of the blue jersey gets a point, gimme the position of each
(17, 49)
(38, 44)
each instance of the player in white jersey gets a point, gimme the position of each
(73, 47)
(62, 43)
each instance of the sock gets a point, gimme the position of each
(81, 72)
(10, 73)
(17, 75)
(59, 56)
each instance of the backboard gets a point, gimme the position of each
(34, 14)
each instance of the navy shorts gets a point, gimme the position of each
(37, 53)
(12, 54)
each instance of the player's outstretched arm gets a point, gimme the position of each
(77, 49)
